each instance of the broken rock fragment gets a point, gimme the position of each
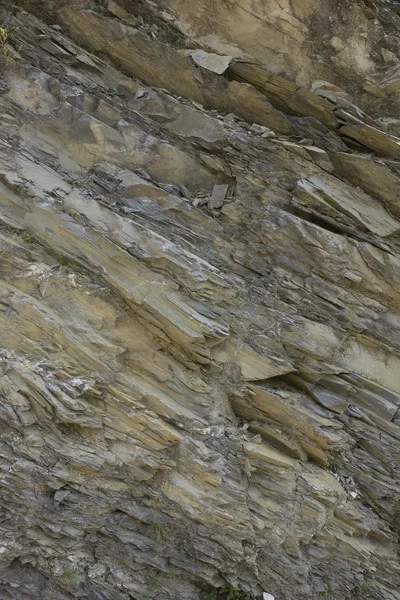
(218, 196)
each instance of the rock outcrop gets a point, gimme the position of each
(199, 300)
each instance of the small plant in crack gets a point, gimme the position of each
(227, 592)
(28, 237)
(151, 584)
(226, 267)
(159, 531)
(64, 262)
(171, 573)
(172, 37)
(357, 592)
(101, 3)
(327, 592)
(6, 35)
(336, 462)
(68, 574)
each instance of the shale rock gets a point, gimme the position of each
(199, 301)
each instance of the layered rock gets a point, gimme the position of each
(200, 350)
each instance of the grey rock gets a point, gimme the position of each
(218, 196)
(194, 398)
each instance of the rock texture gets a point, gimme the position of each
(199, 300)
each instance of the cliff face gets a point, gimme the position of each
(199, 300)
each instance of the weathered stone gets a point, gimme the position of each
(115, 9)
(193, 400)
(212, 62)
(218, 196)
(260, 130)
(260, 453)
(183, 120)
(330, 91)
(253, 365)
(355, 204)
(285, 94)
(378, 141)
(373, 176)
(250, 104)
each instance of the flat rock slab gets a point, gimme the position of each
(378, 141)
(373, 176)
(212, 62)
(218, 196)
(356, 204)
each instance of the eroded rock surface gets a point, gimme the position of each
(199, 302)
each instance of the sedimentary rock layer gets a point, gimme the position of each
(199, 303)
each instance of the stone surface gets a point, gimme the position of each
(212, 62)
(378, 141)
(200, 327)
(326, 191)
(218, 196)
(373, 176)
(350, 39)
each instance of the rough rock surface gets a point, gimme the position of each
(199, 300)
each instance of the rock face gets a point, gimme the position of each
(199, 301)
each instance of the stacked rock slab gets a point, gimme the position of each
(199, 310)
